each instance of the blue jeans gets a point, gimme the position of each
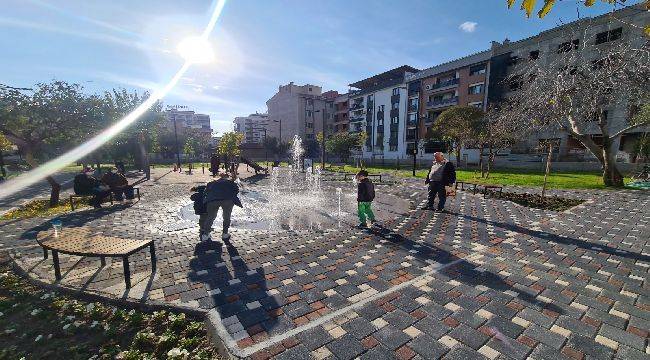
(437, 188)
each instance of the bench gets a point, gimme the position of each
(345, 176)
(110, 197)
(80, 241)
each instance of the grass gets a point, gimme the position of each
(35, 324)
(511, 177)
(41, 208)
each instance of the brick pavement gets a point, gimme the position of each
(490, 279)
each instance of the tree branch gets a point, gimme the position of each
(631, 127)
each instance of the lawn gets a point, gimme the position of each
(512, 177)
(38, 324)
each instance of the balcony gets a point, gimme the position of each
(394, 99)
(413, 108)
(357, 118)
(411, 123)
(442, 103)
(358, 106)
(447, 84)
(394, 113)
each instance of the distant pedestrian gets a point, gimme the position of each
(220, 193)
(365, 196)
(441, 174)
(215, 162)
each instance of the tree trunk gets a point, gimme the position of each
(480, 162)
(490, 162)
(56, 187)
(458, 156)
(611, 175)
(2, 165)
(548, 167)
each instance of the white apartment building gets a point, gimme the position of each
(255, 127)
(378, 108)
(187, 119)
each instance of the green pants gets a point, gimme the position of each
(365, 210)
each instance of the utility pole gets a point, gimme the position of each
(322, 145)
(178, 154)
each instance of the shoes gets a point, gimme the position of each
(205, 237)
(441, 211)
(427, 207)
(374, 223)
(225, 236)
(362, 226)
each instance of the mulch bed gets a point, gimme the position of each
(535, 201)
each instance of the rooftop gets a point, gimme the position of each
(394, 74)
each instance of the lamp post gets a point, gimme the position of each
(266, 150)
(322, 145)
(178, 154)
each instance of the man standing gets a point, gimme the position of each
(441, 174)
(221, 193)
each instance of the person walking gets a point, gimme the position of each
(442, 173)
(365, 196)
(215, 162)
(220, 193)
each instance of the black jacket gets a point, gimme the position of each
(222, 189)
(85, 184)
(365, 191)
(197, 197)
(448, 174)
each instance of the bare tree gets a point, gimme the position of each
(497, 131)
(573, 93)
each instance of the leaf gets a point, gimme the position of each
(510, 3)
(590, 2)
(548, 5)
(646, 30)
(528, 5)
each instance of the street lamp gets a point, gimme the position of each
(178, 154)
(322, 145)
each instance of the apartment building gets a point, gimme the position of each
(431, 91)
(586, 35)
(378, 108)
(255, 127)
(187, 119)
(301, 110)
(341, 120)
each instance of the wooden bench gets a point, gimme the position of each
(110, 197)
(463, 183)
(81, 241)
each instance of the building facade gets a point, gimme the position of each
(341, 113)
(301, 110)
(187, 119)
(461, 82)
(378, 108)
(255, 127)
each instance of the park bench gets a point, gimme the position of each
(476, 187)
(80, 241)
(345, 176)
(110, 197)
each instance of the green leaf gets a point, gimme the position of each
(548, 5)
(510, 3)
(646, 30)
(590, 2)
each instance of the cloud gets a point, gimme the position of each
(468, 26)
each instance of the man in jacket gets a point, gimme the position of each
(365, 196)
(220, 193)
(441, 174)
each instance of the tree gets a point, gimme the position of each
(229, 144)
(341, 144)
(574, 95)
(5, 145)
(461, 125)
(277, 148)
(47, 121)
(496, 132)
(529, 6)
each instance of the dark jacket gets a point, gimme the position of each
(85, 184)
(222, 189)
(365, 191)
(197, 197)
(448, 174)
(114, 180)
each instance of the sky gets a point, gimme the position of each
(259, 44)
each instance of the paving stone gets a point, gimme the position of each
(298, 352)
(359, 327)
(463, 353)
(391, 337)
(545, 336)
(590, 347)
(468, 336)
(314, 338)
(378, 352)
(346, 347)
(428, 347)
(623, 337)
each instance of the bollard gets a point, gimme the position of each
(203, 168)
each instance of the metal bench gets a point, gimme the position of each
(110, 197)
(463, 183)
(345, 176)
(81, 241)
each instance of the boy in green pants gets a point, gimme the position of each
(365, 196)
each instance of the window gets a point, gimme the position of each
(310, 102)
(395, 106)
(476, 89)
(478, 104)
(396, 91)
(309, 125)
(370, 97)
(393, 148)
(394, 120)
(310, 136)
(380, 122)
(309, 113)
(413, 102)
(610, 35)
(568, 46)
(477, 70)
(534, 55)
(380, 108)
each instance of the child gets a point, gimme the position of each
(199, 207)
(365, 196)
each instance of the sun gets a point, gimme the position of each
(196, 50)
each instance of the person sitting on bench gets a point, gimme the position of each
(118, 184)
(85, 184)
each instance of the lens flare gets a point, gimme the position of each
(51, 167)
(196, 50)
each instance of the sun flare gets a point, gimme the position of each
(196, 50)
